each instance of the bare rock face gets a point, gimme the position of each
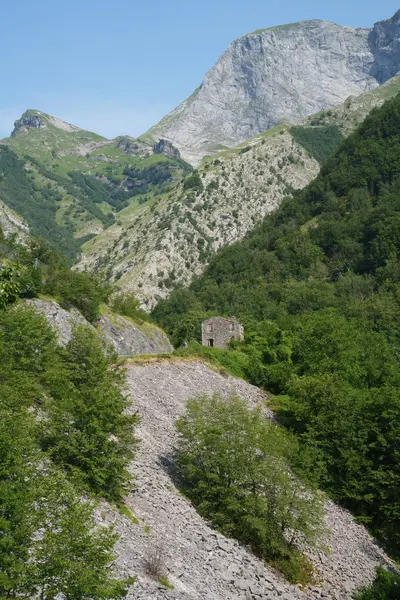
(12, 224)
(121, 333)
(165, 147)
(28, 120)
(62, 321)
(384, 40)
(277, 74)
(129, 339)
(131, 146)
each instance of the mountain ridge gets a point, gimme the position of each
(153, 248)
(265, 77)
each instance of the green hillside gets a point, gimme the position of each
(317, 286)
(69, 184)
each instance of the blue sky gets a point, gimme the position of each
(117, 66)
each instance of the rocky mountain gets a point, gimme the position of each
(153, 247)
(68, 183)
(276, 74)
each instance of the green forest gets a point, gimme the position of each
(317, 288)
(64, 435)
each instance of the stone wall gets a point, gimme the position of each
(217, 332)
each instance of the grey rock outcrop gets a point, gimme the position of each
(121, 333)
(277, 74)
(384, 41)
(201, 563)
(165, 147)
(131, 146)
(30, 119)
(129, 339)
(62, 321)
(12, 224)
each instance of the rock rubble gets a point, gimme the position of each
(202, 564)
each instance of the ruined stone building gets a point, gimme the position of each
(218, 331)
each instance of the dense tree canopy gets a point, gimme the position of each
(63, 431)
(236, 465)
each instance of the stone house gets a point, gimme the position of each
(218, 331)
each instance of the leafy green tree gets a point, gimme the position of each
(79, 289)
(235, 465)
(10, 284)
(386, 586)
(72, 556)
(128, 305)
(49, 542)
(89, 432)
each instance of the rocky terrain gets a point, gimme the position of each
(200, 563)
(153, 247)
(132, 208)
(276, 74)
(12, 224)
(127, 337)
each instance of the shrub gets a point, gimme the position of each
(193, 182)
(386, 586)
(79, 289)
(234, 464)
(129, 306)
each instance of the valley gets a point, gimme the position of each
(140, 459)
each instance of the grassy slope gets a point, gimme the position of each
(56, 149)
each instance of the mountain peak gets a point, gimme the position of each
(284, 73)
(35, 119)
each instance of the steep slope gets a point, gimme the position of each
(280, 73)
(202, 563)
(80, 179)
(12, 224)
(150, 249)
(317, 288)
(127, 336)
(153, 248)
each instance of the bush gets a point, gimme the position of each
(386, 586)
(235, 464)
(128, 305)
(235, 362)
(193, 182)
(78, 289)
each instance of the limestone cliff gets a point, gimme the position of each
(276, 74)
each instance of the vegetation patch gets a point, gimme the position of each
(317, 287)
(243, 473)
(320, 142)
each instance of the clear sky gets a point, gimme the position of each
(117, 66)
